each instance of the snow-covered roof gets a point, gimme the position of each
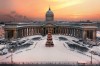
(65, 24)
(89, 27)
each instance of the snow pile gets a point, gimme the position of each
(3, 49)
(98, 33)
(96, 50)
(2, 46)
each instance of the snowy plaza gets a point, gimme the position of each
(60, 53)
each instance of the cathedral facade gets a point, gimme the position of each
(78, 30)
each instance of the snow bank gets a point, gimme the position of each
(96, 50)
(98, 33)
(2, 46)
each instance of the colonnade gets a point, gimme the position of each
(80, 33)
(75, 32)
(28, 31)
(63, 30)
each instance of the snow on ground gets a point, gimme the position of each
(38, 53)
(98, 33)
(2, 46)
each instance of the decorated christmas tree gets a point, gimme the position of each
(49, 42)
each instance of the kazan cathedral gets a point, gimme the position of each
(82, 31)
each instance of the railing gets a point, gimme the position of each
(51, 63)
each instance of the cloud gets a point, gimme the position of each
(68, 4)
(56, 0)
(5, 4)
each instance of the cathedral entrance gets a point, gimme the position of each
(47, 28)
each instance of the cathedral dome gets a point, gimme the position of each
(49, 15)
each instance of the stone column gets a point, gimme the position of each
(84, 35)
(94, 35)
(15, 34)
(66, 31)
(62, 30)
(69, 31)
(28, 31)
(37, 30)
(31, 31)
(74, 32)
(34, 31)
(19, 33)
(79, 33)
(6, 34)
(23, 32)
(59, 30)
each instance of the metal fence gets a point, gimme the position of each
(47, 64)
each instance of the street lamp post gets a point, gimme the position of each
(91, 56)
(11, 56)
